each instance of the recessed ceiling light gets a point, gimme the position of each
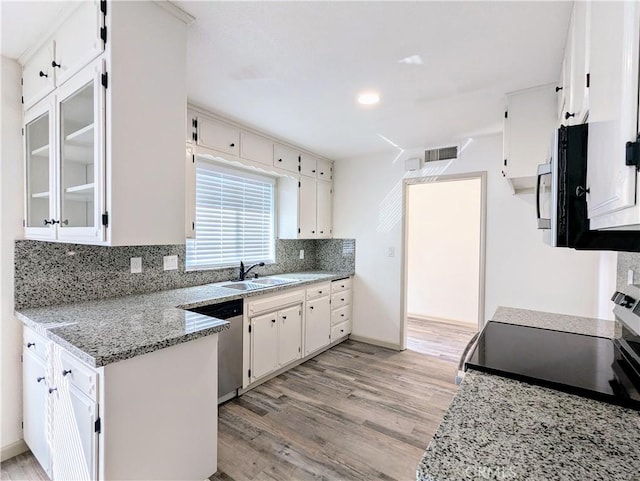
(368, 98)
(411, 60)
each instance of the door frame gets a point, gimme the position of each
(482, 175)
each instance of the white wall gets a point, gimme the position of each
(443, 249)
(521, 270)
(10, 229)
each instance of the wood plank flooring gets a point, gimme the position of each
(442, 339)
(355, 412)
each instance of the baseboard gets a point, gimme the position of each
(375, 342)
(13, 449)
(455, 322)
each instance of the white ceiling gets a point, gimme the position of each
(293, 69)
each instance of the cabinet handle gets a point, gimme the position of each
(313, 232)
(232, 145)
(31, 344)
(40, 378)
(65, 372)
(321, 232)
(311, 307)
(313, 171)
(42, 74)
(52, 222)
(284, 317)
(558, 89)
(279, 160)
(51, 389)
(54, 64)
(273, 320)
(580, 191)
(341, 315)
(567, 115)
(341, 300)
(321, 173)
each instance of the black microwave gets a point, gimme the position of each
(561, 200)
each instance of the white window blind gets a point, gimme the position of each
(234, 218)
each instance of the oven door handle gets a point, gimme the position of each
(465, 357)
(544, 169)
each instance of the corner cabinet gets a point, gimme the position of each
(87, 95)
(305, 207)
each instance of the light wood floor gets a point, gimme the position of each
(355, 412)
(441, 339)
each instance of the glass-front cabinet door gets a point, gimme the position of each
(81, 157)
(39, 147)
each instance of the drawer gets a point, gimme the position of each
(340, 330)
(78, 374)
(319, 290)
(340, 299)
(273, 303)
(341, 314)
(341, 285)
(35, 343)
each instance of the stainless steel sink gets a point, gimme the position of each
(254, 284)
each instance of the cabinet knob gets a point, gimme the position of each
(273, 320)
(40, 378)
(232, 145)
(42, 74)
(313, 232)
(567, 115)
(341, 315)
(52, 389)
(65, 372)
(279, 160)
(321, 232)
(558, 89)
(321, 173)
(311, 307)
(284, 317)
(54, 64)
(313, 171)
(30, 344)
(341, 300)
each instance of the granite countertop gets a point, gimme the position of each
(499, 428)
(111, 330)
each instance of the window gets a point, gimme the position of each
(234, 218)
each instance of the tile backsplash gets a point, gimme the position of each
(48, 273)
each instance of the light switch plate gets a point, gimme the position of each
(136, 265)
(170, 263)
(301, 253)
(391, 251)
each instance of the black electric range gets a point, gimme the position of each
(596, 367)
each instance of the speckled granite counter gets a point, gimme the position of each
(499, 428)
(111, 330)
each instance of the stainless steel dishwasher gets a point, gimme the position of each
(229, 346)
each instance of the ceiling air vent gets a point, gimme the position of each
(444, 153)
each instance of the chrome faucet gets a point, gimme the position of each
(244, 273)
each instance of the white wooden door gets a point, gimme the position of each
(34, 406)
(264, 345)
(256, 148)
(81, 165)
(286, 158)
(324, 209)
(38, 75)
(75, 439)
(307, 208)
(290, 335)
(308, 164)
(613, 59)
(317, 325)
(40, 170)
(217, 135)
(78, 41)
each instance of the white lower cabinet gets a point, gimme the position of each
(340, 309)
(68, 407)
(276, 340)
(318, 324)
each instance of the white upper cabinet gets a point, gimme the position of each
(78, 41)
(256, 148)
(218, 136)
(324, 208)
(528, 127)
(307, 208)
(286, 158)
(89, 178)
(325, 170)
(613, 113)
(308, 165)
(577, 107)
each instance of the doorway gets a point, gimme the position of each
(443, 263)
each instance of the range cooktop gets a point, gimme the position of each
(585, 365)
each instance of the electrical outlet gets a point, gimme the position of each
(136, 265)
(301, 253)
(170, 263)
(391, 251)
(632, 279)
